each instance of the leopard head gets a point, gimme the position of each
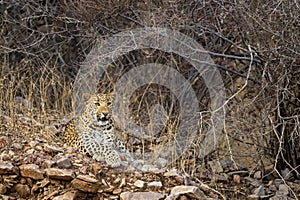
(98, 109)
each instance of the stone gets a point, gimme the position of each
(123, 182)
(22, 190)
(117, 191)
(51, 149)
(257, 175)
(5, 197)
(64, 163)
(240, 172)
(61, 174)
(85, 183)
(3, 141)
(172, 172)
(161, 162)
(31, 171)
(87, 178)
(149, 168)
(30, 151)
(17, 146)
(48, 163)
(141, 195)
(32, 144)
(280, 197)
(237, 178)
(154, 185)
(11, 153)
(3, 189)
(257, 193)
(253, 182)
(96, 167)
(6, 168)
(39, 148)
(282, 190)
(286, 173)
(191, 191)
(43, 183)
(139, 184)
(65, 196)
(215, 166)
(183, 197)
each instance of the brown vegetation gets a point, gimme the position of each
(255, 45)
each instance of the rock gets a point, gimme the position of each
(117, 191)
(22, 190)
(172, 172)
(280, 197)
(85, 183)
(31, 171)
(139, 184)
(252, 181)
(260, 191)
(161, 162)
(32, 144)
(273, 188)
(30, 151)
(138, 164)
(43, 183)
(241, 173)
(277, 182)
(61, 174)
(39, 148)
(282, 190)
(141, 195)
(154, 185)
(286, 173)
(6, 168)
(257, 193)
(48, 163)
(65, 196)
(17, 146)
(237, 178)
(10, 180)
(3, 189)
(215, 166)
(257, 175)
(64, 163)
(96, 167)
(51, 149)
(191, 191)
(123, 182)
(4, 197)
(149, 168)
(3, 141)
(87, 178)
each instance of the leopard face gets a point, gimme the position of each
(97, 109)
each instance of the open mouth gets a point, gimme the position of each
(105, 118)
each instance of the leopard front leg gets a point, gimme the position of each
(102, 152)
(120, 146)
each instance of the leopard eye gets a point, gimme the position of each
(97, 104)
(108, 103)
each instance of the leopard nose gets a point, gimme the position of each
(105, 114)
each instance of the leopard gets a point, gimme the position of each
(93, 132)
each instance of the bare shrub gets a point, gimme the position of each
(43, 43)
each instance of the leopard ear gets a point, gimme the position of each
(110, 95)
(85, 97)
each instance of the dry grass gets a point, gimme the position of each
(41, 50)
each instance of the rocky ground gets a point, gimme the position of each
(31, 167)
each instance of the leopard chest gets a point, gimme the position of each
(100, 133)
